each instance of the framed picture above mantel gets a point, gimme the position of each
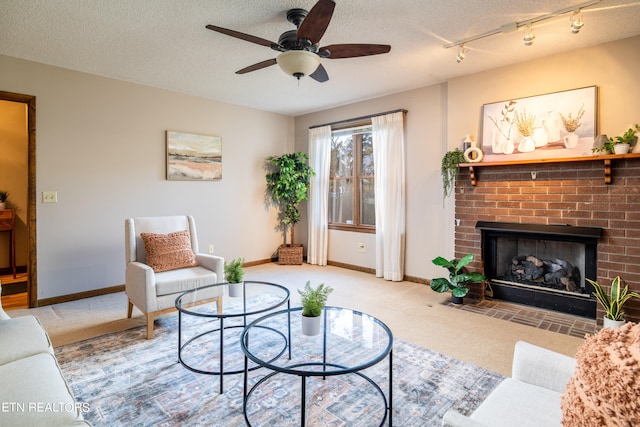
(550, 126)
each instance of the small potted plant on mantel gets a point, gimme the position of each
(620, 144)
(313, 301)
(4, 195)
(233, 274)
(459, 280)
(613, 302)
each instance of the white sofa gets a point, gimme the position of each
(33, 391)
(531, 397)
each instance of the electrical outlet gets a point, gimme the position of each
(49, 197)
(210, 249)
(361, 247)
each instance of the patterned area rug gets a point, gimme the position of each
(128, 380)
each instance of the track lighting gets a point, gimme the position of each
(529, 37)
(461, 54)
(576, 21)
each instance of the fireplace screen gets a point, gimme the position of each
(541, 265)
(544, 263)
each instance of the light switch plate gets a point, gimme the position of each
(49, 197)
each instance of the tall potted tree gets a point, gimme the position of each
(288, 184)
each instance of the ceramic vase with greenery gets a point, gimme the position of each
(620, 144)
(288, 184)
(449, 170)
(233, 274)
(459, 280)
(613, 301)
(4, 195)
(313, 301)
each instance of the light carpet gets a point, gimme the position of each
(130, 381)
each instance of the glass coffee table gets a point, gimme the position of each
(204, 330)
(327, 379)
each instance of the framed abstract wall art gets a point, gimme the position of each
(555, 125)
(192, 157)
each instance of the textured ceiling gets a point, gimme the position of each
(164, 43)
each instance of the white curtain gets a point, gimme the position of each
(318, 210)
(388, 156)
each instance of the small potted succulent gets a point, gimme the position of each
(313, 301)
(613, 301)
(233, 274)
(4, 195)
(459, 280)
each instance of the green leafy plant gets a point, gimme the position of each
(288, 185)
(233, 271)
(449, 170)
(626, 138)
(615, 300)
(4, 195)
(458, 281)
(314, 299)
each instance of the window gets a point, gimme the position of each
(351, 179)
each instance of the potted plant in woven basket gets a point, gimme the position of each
(313, 301)
(288, 184)
(613, 302)
(459, 280)
(233, 274)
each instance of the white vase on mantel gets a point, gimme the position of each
(612, 324)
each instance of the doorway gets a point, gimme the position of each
(28, 217)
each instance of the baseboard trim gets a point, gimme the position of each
(120, 288)
(80, 295)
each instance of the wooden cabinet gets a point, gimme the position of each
(7, 223)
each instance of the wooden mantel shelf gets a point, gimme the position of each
(605, 158)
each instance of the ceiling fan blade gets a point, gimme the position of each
(354, 50)
(316, 21)
(258, 66)
(320, 74)
(242, 36)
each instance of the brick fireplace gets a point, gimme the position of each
(567, 193)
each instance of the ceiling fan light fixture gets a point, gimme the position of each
(298, 63)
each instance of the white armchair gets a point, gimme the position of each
(155, 293)
(531, 397)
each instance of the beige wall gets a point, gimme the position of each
(440, 116)
(101, 146)
(13, 177)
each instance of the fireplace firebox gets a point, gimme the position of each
(541, 265)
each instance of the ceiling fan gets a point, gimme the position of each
(300, 53)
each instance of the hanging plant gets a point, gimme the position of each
(450, 170)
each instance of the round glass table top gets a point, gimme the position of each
(349, 341)
(256, 297)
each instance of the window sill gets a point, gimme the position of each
(353, 228)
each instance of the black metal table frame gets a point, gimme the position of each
(221, 317)
(388, 351)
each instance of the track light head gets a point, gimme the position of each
(461, 53)
(576, 22)
(529, 37)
